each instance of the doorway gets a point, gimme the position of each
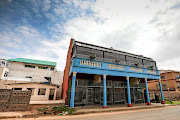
(51, 94)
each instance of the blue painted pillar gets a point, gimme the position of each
(162, 96)
(73, 89)
(128, 92)
(104, 92)
(147, 93)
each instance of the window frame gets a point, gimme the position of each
(40, 91)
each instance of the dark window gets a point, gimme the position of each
(178, 85)
(162, 77)
(32, 90)
(97, 53)
(17, 88)
(42, 91)
(157, 86)
(83, 50)
(177, 76)
(52, 68)
(30, 66)
(164, 85)
(28, 77)
(42, 67)
(5, 74)
(48, 78)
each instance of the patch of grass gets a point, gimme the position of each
(173, 102)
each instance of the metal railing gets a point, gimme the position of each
(24, 79)
(113, 61)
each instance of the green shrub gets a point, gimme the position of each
(61, 109)
(43, 109)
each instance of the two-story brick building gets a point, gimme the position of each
(100, 75)
(170, 79)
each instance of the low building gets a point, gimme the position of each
(41, 77)
(170, 79)
(99, 75)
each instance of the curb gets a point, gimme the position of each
(114, 110)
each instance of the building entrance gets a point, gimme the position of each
(89, 93)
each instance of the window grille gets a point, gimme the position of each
(90, 63)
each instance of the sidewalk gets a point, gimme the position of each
(85, 110)
(111, 108)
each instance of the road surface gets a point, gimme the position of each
(166, 113)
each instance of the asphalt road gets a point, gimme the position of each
(167, 113)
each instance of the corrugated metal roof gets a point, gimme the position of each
(32, 61)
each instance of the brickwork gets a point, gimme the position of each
(168, 79)
(14, 100)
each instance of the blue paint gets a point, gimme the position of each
(112, 72)
(128, 92)
(162, 96)
(73, 91)
(104, 93)
(147, 92)
(109, 71)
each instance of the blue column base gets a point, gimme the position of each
(163, 102)
(130, 105)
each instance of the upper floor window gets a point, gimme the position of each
(52, 68)
(164, 85)
(6, 74)
(28, 76)
(177, 76)
(30, 66)
(157, 86)
(48, 78)
(178, 84)
(162, 77)
(41, 67)
(16, 88)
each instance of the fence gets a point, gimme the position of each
(14, 100)
(155, 96)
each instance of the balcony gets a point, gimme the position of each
(24, 79)
(87, 66)
(116, 62)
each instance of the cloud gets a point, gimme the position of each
(150, 28)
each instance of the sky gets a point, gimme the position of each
(42, 29)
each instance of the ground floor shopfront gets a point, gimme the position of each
(90, 89)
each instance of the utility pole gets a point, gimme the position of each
(167, 86)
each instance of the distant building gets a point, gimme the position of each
(169, 79)
(41, 77)
(99, 75)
